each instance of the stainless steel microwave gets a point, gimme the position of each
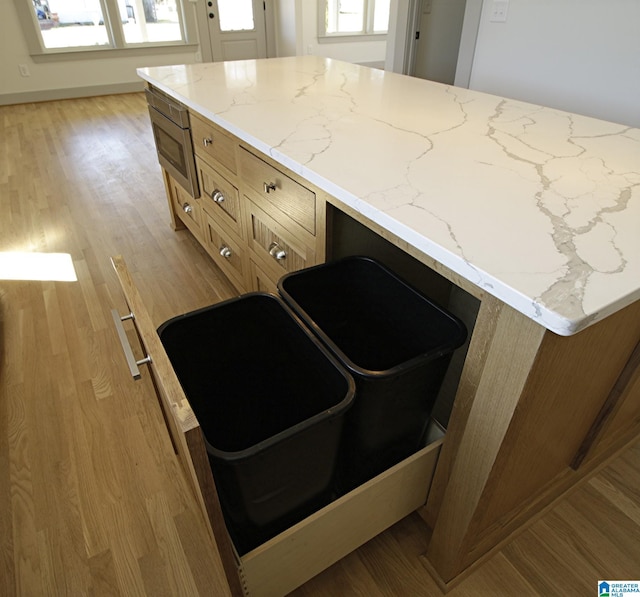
(172, 134)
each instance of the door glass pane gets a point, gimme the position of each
(150, 20)
(71, 23)
(381, 16)
(235, 15)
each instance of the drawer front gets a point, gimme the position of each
(279, 190)
(187, 208)
(210, 142)
(220, 198)
(187, 438)
(274, 245)
(227, 252)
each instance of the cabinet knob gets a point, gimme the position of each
(206, 141)
(187, 208)
(269, 186)
(277, 252)
(217, 196)
(225, 252)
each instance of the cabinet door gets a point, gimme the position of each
(274, 245)
(220, 198)
(228, 252)
(260, 281)
(186, 208)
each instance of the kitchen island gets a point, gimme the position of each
(532, 212)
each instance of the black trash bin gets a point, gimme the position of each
(271, 403)
(395, 342)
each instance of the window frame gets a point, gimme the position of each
(351, 36)
(117, 45)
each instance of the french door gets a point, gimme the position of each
(236, 29)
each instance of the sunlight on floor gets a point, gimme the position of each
(17, 265)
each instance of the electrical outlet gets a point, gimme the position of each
(24, 70)
(499, 10)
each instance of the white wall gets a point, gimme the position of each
(286, 27)
(51, 79)
(577, 55)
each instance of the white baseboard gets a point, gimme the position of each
(46, 95)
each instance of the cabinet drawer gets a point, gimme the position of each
(220, 198)
(274, 244)
(211, 142)
(279, 190)
(186, 208)
(227, 252)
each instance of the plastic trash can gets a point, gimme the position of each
(395, 342)
(271, 403)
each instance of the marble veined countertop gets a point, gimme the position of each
(539, 207)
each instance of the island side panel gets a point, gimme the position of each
(512, 352)
(509, 467)
(619, 417)
(479, 347)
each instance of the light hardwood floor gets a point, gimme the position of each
(92, 499)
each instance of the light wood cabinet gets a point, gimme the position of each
(274, 245)
(281, 192)
(257, 220)
(214, 143)
(220, 198)
(185, 210)
(228, 251)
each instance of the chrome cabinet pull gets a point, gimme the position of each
(206, 141)
(269, 186)
(126, 347)
(225, 252)
(277, 252)
(217, 196)
(187, 208)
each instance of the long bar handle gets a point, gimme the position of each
(126, 347)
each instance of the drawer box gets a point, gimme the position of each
(227, 252)
(220, 198)
(288, 560)
(274, 245)
(212, 143)
(279, 190)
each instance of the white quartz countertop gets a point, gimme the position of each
(539, 207)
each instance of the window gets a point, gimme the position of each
(235, 15)
(353, 17)
(76, 25)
